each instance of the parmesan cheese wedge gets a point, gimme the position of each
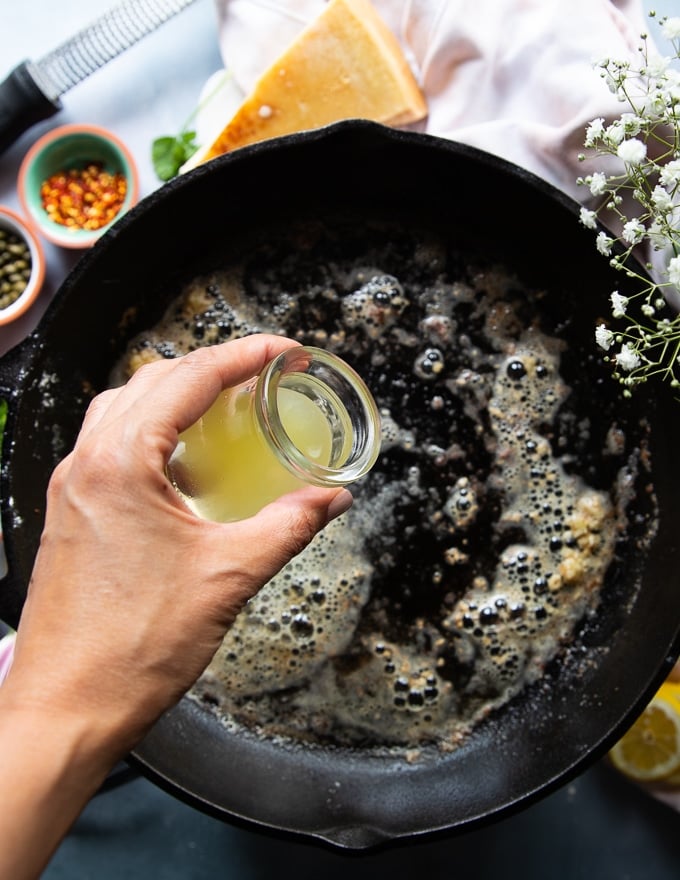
(346, 64)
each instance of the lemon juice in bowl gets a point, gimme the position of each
(307, 419)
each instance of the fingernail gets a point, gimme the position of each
(342, 502)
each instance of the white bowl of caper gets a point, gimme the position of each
(22, 266)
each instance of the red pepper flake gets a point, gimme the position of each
(84, 198)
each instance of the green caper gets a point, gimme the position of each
(15, 267)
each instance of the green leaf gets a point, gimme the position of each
(168, 153)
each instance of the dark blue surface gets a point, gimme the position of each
(598, 827)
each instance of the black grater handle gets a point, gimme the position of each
(22, 104)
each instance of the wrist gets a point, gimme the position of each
(78, 721)
(53, 762)
(56, 739)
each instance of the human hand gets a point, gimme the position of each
(130, 596)
(131, 593)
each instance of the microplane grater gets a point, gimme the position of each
(33, 89)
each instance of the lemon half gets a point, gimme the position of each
(650, 750)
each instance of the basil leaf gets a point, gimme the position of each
(168, 154)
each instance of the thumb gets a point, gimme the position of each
(261, 545)
(285, 526)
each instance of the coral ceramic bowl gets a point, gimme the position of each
(75, 182)
(22, 266)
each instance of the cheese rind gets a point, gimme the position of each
(345, 64)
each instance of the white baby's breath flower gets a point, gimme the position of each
(672, 76)
(648, 342)
(597, 183)
(671, 28)
(604, 243)
(632, 151)
(670, 89)
(631, 124)
(604, 337)
(657, 66)
(619, 304)
(594, 131)
(628, 358)
(654, 106)
(614, 133)
(661, 199)
(588, 218)
(657, 234)
(633, 231)
(612, 82)
(670, 173)
(674, 271)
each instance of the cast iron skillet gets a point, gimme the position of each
(351, 798)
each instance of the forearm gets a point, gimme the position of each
(51, 765)
(144, 592)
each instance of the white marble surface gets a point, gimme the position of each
(148, 91)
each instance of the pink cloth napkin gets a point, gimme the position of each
(512, 77)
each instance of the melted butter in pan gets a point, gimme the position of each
(484, 535)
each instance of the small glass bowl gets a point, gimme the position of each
(73, 147)
(12, 223)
